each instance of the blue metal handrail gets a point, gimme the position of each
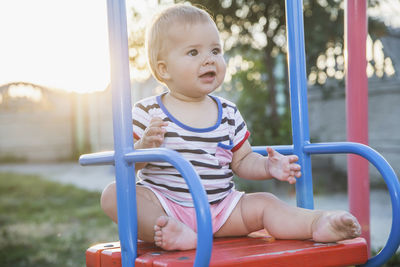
(382, 166)
(392, 183)
(203, 215)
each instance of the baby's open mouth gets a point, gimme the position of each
(208, 74)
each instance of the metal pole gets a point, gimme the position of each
(298, 99)
(123, 132)
(357, 110)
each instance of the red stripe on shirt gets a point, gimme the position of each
(246, 136)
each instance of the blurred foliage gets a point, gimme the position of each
(267, 126)
(44, 223)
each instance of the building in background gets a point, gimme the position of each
(39, 124)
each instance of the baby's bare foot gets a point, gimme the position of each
(171, 234)
(333, 226)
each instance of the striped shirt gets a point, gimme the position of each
(209, 150)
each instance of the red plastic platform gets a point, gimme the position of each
(243, 251)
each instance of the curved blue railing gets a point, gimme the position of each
(203, 215)
(382, 166)
(390, 178)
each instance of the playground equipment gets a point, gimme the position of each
(258, 250)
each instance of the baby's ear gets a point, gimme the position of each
(162, 70)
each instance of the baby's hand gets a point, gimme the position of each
(283, 167)
(153, 136)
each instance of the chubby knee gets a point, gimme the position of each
(259, 201)
(108, 200)
(262, 203)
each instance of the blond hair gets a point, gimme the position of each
(157, 32)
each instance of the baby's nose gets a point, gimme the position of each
(209, 59)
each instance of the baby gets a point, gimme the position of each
(185, 54)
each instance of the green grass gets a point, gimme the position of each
(44, 223)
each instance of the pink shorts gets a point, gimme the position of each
(187, 215)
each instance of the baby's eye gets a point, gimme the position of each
(193, 52)
(216, 51)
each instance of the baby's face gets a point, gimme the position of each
(194, 61)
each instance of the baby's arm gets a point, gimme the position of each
(152, 137)
(253, 166)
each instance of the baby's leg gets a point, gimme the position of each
(148, 209)
(108, 201)
(153, 223)
(263, 210)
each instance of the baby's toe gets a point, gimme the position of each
(158, 233)
(162, 221)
